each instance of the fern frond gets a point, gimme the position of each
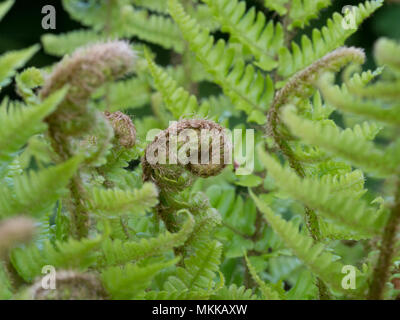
(131, 281)
(343, 100)
(19, 123)
(314, 256)
(301, 86)
(29, 79)
(199, 270)
(332, 36)
(268, 292)
(176, 295)
(344, 143)
(13, 60)
(72, 254)
(387, 53)
(334, 232)
(250, 28)
(340, 207)
(118, 252)
(154, 5)
(5, 285)
(47, 185)
(92, 14)
(302, 11)
(202, 14)
(154, 28)
(122, 95)
(177, 99)
(5, 6)
(112, 202)
(233, 292)
(382, 90)
(66, 43)
(247, 88)
(277, 5)
(352, 182)
(358, 81)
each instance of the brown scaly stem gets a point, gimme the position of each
(75, 202)
(273, 123)
(381, 272)
(310, 216)
(84, 72)
(296, 85)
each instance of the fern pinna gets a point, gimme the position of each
(80, 193)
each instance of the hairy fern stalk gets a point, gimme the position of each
(80, 195)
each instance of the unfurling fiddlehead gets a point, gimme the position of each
(76, 119)
(173, 159)
(124, 129)
(186, 150)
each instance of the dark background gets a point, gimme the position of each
(21, 27)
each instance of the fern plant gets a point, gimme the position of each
(80, 193)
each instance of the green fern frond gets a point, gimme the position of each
(72, 254)
(176, 295)
(250, 28)
(93, 13)
(382, 90)
(129, 94)
(202, 14)
(352, 182)
(334, 232)
(48, 185)
(154, 28)
(5, 285)
(332, 36)
(66, 43)
(344, 143)
(154, 5)
(343, 100)
(221, 108)
(247, 88)
(301, 86)
(314, 256)
(131, 281)
(178, 101)
(118, 252)
(302, 11)
(29, 79)
(113, 202)
(280, 6)
(19, 123)
(387, 53)
(340, 207)
(233, 292)
(12, 60)
(199, 270)
(267, 291)
(5, 6)
(358, 81)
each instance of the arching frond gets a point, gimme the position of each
(251, 29)
(247, 88)
(332, 36)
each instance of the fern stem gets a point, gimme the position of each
(310, 216)
(387, 249)
(295, 87)
(78, 210)
(273, 123)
